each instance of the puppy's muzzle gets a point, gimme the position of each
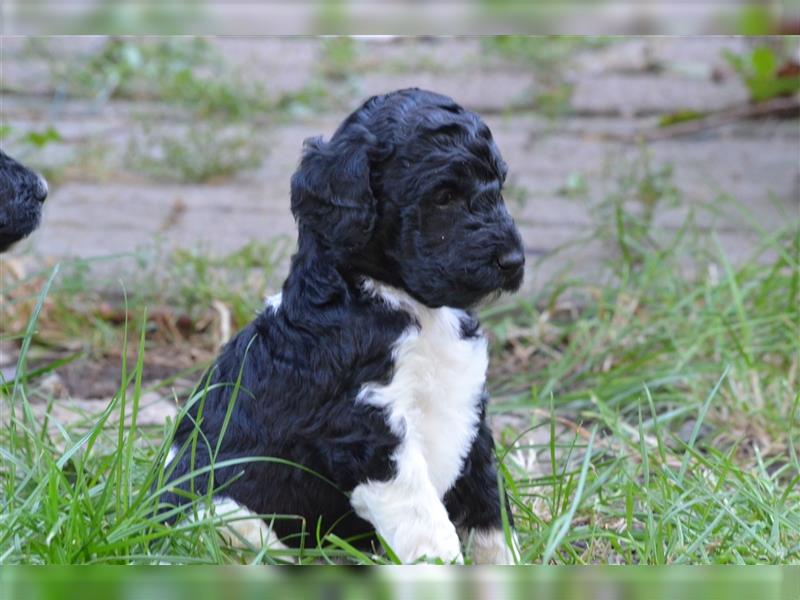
(511, 261)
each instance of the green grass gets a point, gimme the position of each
(645, 416)
(545, 53)
(190, 98)
(548, 57)
(188, 158)
(767, 72)
(681, 393)
(185, 72)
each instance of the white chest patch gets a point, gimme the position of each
(433, 400)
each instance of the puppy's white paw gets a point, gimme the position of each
(440, 542)
(490, 548)
(411, 518)
(241, 528)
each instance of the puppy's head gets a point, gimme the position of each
(409, 191)
(22, 193)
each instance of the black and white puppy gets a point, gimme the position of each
(22, 193)
(369, 368)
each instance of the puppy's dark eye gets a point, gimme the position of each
(444, 198)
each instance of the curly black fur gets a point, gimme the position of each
(22, 193)
(406, 192)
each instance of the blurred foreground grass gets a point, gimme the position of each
(562, 583)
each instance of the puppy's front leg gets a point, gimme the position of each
(407, 512)
(474, 504)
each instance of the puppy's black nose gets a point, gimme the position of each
(41, 189)
(511, 261)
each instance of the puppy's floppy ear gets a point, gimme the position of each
(331, 192)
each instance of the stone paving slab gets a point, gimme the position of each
(690, 55)
(634, 95)
(490, 92)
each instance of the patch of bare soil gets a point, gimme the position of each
(100, 378)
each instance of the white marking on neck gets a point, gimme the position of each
(433, 404)
(433, 398)
(274, 301)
